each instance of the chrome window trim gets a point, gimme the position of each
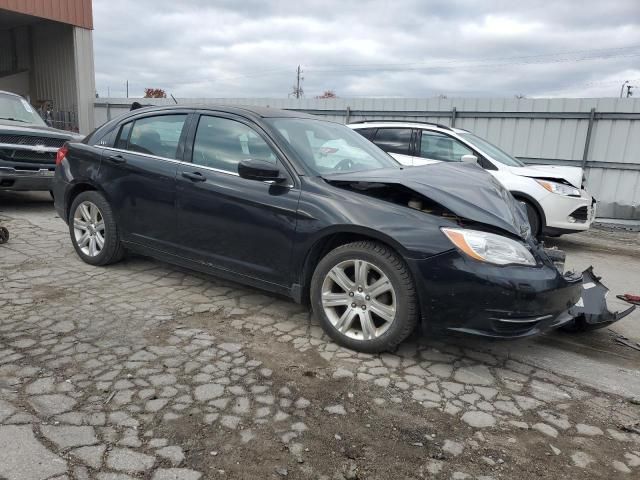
(173, 160)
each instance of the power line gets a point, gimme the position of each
(587, 55)
(472, 65)
(485, 59)
(258, 74)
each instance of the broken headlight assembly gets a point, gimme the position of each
(489, 247)
(559, 188)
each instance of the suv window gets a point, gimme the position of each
(222, 144)
(393, 140)
(366, 132)
(158, 135)
(437, 146)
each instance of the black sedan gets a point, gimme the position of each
(310, 209)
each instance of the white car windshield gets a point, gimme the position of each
(327, 147)
(489, 148)
(17, 109)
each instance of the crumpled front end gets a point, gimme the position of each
(461, 295)
(490, 289)
(514, 301)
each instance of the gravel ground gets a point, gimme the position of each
(145, 370)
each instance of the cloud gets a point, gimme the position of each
(410, 48)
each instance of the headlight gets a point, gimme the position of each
(559, 188)
(488, 247)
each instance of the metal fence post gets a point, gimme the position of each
(108, 112)
(347, 117)
(453, 116)
(587, 142)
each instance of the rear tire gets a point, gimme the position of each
(370, 311)
(93, 230)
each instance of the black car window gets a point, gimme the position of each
(437, 146)
(366, 132)
(222, 144)
(158, 135)
(393, 140)
(123, 136)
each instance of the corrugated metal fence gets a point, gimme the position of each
(600, 134)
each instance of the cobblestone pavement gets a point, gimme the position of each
(145, 370)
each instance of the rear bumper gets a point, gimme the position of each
(464, 295)
(60, 189)
(16, 179)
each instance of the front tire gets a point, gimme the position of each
(93, 230)
(534, 219)
(364, 296)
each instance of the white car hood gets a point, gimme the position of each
(573, 175)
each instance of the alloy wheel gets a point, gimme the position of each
(89, 229)
(359, 299)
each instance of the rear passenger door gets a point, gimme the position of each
(397, 142)
(138, 173)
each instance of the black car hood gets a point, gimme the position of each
(19, 128)
(465, 189)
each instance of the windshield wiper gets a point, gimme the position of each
(13, 119)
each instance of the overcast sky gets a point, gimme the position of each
(412, 48)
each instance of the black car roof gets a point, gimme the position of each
(244, 110)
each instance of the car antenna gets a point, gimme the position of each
(174, 98)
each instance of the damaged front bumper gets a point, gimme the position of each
(461, 295)
(514, 301)
(591, 312)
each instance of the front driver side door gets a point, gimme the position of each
(231, 223)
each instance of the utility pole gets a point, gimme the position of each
(297, 89)
(622, 88)
(127, 88)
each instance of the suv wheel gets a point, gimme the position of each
(364, 297)
(93, 230)
(534, 219)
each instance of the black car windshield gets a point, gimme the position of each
(490, 149)
(17, 109)
(327, 147)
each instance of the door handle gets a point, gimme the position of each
(118, 159)
(194, 176)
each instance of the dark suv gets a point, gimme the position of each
(27, 145)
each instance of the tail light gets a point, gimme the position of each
(62, 152)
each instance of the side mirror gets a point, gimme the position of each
(260, 170)
(469, 159)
